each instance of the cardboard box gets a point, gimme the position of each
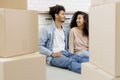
(14, 4)
(104, 37)
(26, 67)
(102, 2)
(18, 32)
(91, 72)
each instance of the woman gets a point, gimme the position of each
(78, 36)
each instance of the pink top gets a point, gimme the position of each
(77, 42)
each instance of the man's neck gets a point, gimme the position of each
(58, 25)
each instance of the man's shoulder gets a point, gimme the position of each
(47, 28)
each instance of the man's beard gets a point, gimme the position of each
(62, 21)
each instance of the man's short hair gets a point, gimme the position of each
(55, 10)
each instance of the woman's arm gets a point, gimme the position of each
(71, 41)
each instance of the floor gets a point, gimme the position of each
(54, 73)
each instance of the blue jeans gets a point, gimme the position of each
(82, 54)
(69, 61)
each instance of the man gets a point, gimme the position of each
(53, 43)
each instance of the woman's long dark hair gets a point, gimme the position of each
(86, 23)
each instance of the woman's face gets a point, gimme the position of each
(80, 20)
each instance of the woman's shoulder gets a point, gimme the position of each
(73, 29)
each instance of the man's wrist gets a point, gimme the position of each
(51, 54)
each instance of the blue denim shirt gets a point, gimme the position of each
(46, 37)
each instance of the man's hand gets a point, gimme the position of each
(56, 54)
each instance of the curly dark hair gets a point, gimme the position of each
(55, 10)
(86, 23)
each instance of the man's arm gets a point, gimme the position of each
(43, 37)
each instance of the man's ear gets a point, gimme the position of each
(56, 15)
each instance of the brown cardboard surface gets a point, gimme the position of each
(26, 67)
(92, 72)
(104, 37)
(18, 32)
(118, 37)
(14, 4)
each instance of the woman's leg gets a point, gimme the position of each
(83, 54)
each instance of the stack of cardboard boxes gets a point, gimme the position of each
(104, 41)
(19, 56)
(14, 4)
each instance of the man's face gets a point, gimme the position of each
(61, 16)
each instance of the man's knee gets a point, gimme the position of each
(75, 67)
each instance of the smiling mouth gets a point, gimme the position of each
(78, 23)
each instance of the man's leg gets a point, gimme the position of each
(68, 63)
(84, 57)
(62, 62)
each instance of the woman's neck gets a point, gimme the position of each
(80, 27)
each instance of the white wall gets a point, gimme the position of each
(70, 5)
